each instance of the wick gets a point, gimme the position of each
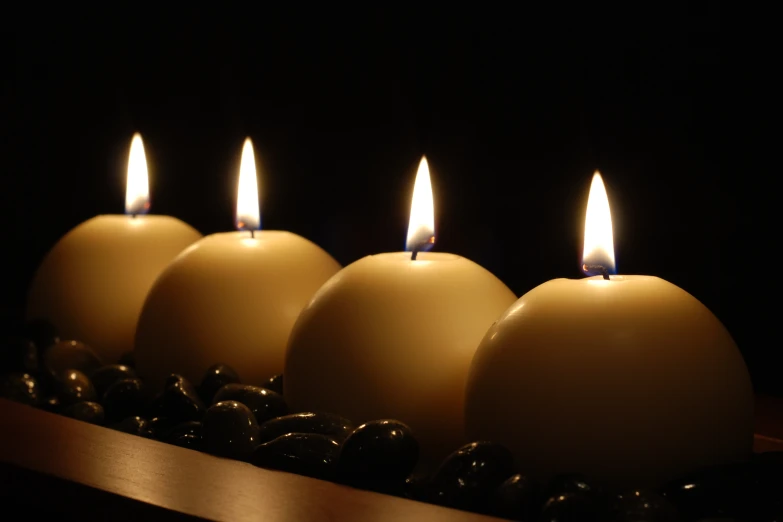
(252, 233)
(414, 254)
(133, 215)
(591, 269)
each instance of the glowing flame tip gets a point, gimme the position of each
(421, 225)
(248, 214)
(137, 189)
(598, 255)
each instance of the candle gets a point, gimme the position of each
(626, 378)
(392, 336)
(230, 298)
(92, 283)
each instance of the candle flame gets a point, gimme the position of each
(421, 225)
(598, 256)
(248, 213)
(137, 185)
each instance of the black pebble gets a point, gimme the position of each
(125, 398)
(378, 455)
(134, 425)
(264, 404)
(642, 506)
(179, 401)
(51, 404)
(306, 454)
(713, 492)
(572, 507)
(767, 495)
(186, 435)
(160, 427)
(18, 354)
(275, 384)
(333, 426)
(105, 376)
(230, 430)
(91, 412)
(70, 355)
(572, 483)
(515, 499)
(128, 359)
(42, 333)
(216, 376)
(73, 386)
(21, 387)
(468, 477)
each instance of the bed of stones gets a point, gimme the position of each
(226, 418)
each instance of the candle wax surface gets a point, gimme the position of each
(631, 379)
(230, 298)
(391, 338)
(93, 282)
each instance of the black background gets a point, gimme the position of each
(514, 109)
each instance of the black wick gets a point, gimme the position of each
(430, 241)
(592, 269)
(133, 215)
(252, 233)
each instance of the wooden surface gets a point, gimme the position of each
(140, 479)
(52, 465)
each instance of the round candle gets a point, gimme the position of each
(629, 379)
(392, 337)
(230, 298)
(91, 285)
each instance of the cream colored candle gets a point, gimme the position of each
(230, 298)
(93, 282)
(392, 337)
(625, 378)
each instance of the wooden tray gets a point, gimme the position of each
(56, 466)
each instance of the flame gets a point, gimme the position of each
(248, 213)
(598, 256)
(137, 185)
(421, 225)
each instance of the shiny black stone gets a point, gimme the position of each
(18, 354)
(105, 376)
(265, 404)
(51, 404)
(230, 430)
(73, 386)
(378, 455)
(642, 506)
(21, 387)
(572, 483)
(186, 435)
(134, 425)
(91, 412)
(468, 477)
(275, 383)
(572, 507)
(42, 333)
(216, 376)
(308, 454)
(333, 426)
(125, 398)
(713, 492)
(179, 401)
(70, 355)
(515, 499)
(160, 427)
(767, 491)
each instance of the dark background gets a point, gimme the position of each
(513, 108)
